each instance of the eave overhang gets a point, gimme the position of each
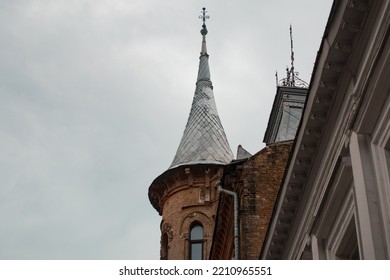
(162, 184)
(333, 58)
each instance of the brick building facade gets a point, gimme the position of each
(184, 196)
(256, 180)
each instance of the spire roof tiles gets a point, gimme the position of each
(204, 139)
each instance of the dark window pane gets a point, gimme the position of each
(196, 251)
(197, 232)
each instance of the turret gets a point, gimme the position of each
(185, 195)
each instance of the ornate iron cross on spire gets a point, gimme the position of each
(203, 17)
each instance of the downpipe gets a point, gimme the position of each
(235, 206)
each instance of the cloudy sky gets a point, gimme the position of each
(94, 98)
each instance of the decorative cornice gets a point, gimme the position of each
(331, 65)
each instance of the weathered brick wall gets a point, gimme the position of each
(190, 197)
(258, 187)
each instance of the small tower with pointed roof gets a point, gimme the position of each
(185, 195)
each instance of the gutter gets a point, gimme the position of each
(235, 206)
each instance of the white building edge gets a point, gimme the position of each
(334, 202)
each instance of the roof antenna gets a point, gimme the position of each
(292, 58)
(292, 79)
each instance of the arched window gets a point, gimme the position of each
(196, 242)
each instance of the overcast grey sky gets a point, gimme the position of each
(94, 97)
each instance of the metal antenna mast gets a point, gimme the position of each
(292, 79)
(292, 58)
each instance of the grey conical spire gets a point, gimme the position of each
(204, 139)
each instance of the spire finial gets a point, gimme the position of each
(203, 17)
